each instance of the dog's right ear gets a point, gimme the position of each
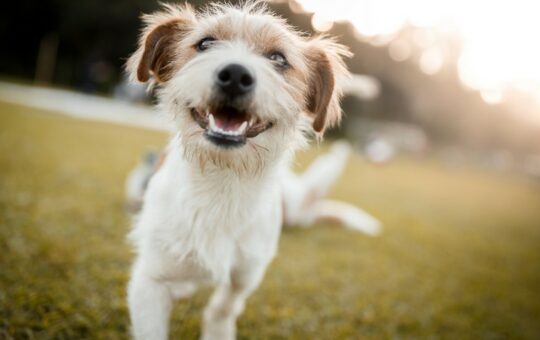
(159, 42)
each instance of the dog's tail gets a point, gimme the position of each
(304, 195)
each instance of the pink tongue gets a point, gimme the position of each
(228, 124)
(229, 120)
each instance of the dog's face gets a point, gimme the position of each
(242, 85)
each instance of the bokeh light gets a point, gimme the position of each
(497, 52)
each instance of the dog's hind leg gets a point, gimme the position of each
(325, 170)
(303, 194)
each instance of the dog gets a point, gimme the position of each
(245, 91)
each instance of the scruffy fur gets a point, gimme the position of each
(212, 214)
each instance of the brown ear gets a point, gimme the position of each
(324, 91)
(158, 53)
(159, 43)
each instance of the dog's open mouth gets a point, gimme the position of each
(227, 126)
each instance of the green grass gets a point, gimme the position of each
(459, 257)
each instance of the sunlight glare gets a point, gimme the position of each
(432, 60)
(320, 23)
(498, 42)
(399, 50)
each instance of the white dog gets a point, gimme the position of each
(244, 90)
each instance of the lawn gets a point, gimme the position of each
(459, 257)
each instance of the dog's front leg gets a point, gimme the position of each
(150, 303)
(227, 303)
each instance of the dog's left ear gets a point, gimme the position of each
(326, 73)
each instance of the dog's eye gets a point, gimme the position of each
(205, 43)
(278, 59)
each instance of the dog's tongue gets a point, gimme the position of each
(229, 119)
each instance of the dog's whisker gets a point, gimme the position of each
(261, 147)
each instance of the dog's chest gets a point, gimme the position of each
(209, 223)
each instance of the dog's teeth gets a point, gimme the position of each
(242, 128)
(212, 126)
(212, 122)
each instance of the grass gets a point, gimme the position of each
(459, 257)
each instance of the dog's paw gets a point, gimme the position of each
(218, 325)
(370, 227)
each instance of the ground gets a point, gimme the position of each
(459, 257)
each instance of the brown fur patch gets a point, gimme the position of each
(321, 87)
(159, 43)
(264, 36)
(159, 52)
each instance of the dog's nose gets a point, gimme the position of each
(235, 80)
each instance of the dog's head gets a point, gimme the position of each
(242, 84)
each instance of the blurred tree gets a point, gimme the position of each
(94, 38)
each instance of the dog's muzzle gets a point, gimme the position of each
(225, 120)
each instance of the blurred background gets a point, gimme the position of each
(456, 79)
(443, 111)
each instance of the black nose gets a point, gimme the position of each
(235, 80)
